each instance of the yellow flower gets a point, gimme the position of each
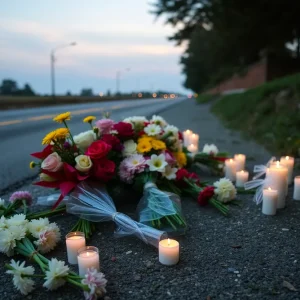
(62, 117)
(51, 136)
(32, 164)
(61, 133)
(158, 145)
(180, 158)
(145, 138)
(89, 119)
(143, 147)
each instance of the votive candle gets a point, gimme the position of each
(240, 160)
(241, 178)
(296, 195)
(270, 198)
(230, 169)
(192, 148)
(88, 257)
(186, 137)
(194, 139)
(74, 241)
(168, 252)
(289, 162)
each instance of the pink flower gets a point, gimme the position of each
(105, 125)
(125, 174)
(21, 195)
(52, 162)
(135, 163)
(96, 282)
(170, 159)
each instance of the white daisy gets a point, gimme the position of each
(158, 121)
(55, 276)
(17, 220)
(157, 163)
(24, 284)
(152, 129)
(171, 129)
(170, 173)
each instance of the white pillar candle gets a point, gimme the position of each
(288, 161)
(270, 198)
(74, 241)
(277, 180)
(241, 178)
(296, 195)
(240, 160)
(194, 139)
(192, 148)
(230, 169)
(168, 252)
(186, 137)
(88, 257)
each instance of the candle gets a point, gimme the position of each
(288, 161)
(276, 178)
(192, 148)
(74, 241)
(186, 137)
(270, 198)
(194, 139)
(88, 257)
(230, 169)
(240, 160)
(296, 195)
(168, 252)
(241, 178)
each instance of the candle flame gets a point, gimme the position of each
(231, 160)
(169, 242)
(277, 164)
(269, 189)
(287, 157)
(88, 253)
(242, 171)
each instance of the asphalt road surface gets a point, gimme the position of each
(21, 131)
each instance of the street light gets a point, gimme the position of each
(118, 80)
(52, 60)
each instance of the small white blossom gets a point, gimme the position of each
(170, 173)
(157, 163)
(136, 121)
(48, 238)
(225, 190)
(129, 148)
(35, 227)
(3, 224)
(96, 282)
(22, 283)
(18, 232)
(2, 202)
(158, 121)
(17, 220)
(152, 129)
(171, 129)
(55, 276)
(7, 242)
(210, 149)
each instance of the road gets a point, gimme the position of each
(21, 131)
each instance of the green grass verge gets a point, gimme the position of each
(205, 98)
(269, 114)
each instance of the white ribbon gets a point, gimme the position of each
(262, 169)
(259, 185)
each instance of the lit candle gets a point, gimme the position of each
(168, 252)
(230, 169)
(186, 137)
(270, 198)
(241, 178)
(88, 257)
(74, 241)
(194, 139)
(276, 178)
(240, 160)
(192, 148)
(288, 161)
(296, 195)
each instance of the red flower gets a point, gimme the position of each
(181, 174)
(42, 155)
(180, 135)
(103, 169)
(113, 141)
(124, 129)
(205, 195)
(98, 149)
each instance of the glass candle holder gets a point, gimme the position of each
(74, 241)
(88, 257)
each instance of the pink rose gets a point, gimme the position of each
(105, 125)
(52, 163)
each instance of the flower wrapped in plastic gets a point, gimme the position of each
(91, 202)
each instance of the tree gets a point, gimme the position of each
(8, 87)
(27, 91)
(87, 92)
(68, 93)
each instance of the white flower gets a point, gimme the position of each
(225, 190)
(136, 122)
(210, 149)
(17, 220)
(2, 202)
(48, 238)
(170, 173)
(84, 139)
(55, 276)
(96, 282)
(18, 232)
(129, 148)
(22, 283)
(171, 129)
(3, 224)
(152, 129)
(83, 163)
(7, 242)
(37, 226)
(157, 163)
(158, 121)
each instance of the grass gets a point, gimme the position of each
(205, 98)
(268, 113)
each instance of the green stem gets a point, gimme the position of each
(47, 213)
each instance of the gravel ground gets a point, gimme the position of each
(245, 256)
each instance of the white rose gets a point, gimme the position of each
(225, 190)
(83, 163)
(210, 149)
(129, 148)
(83, 140)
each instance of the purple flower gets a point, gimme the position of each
(67, 145)
(21, 195)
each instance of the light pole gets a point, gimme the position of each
(52, 61)
(118, 79)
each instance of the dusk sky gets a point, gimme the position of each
(110, 35)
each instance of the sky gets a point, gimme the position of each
(111, 36)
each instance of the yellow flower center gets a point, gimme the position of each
(157, 164)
